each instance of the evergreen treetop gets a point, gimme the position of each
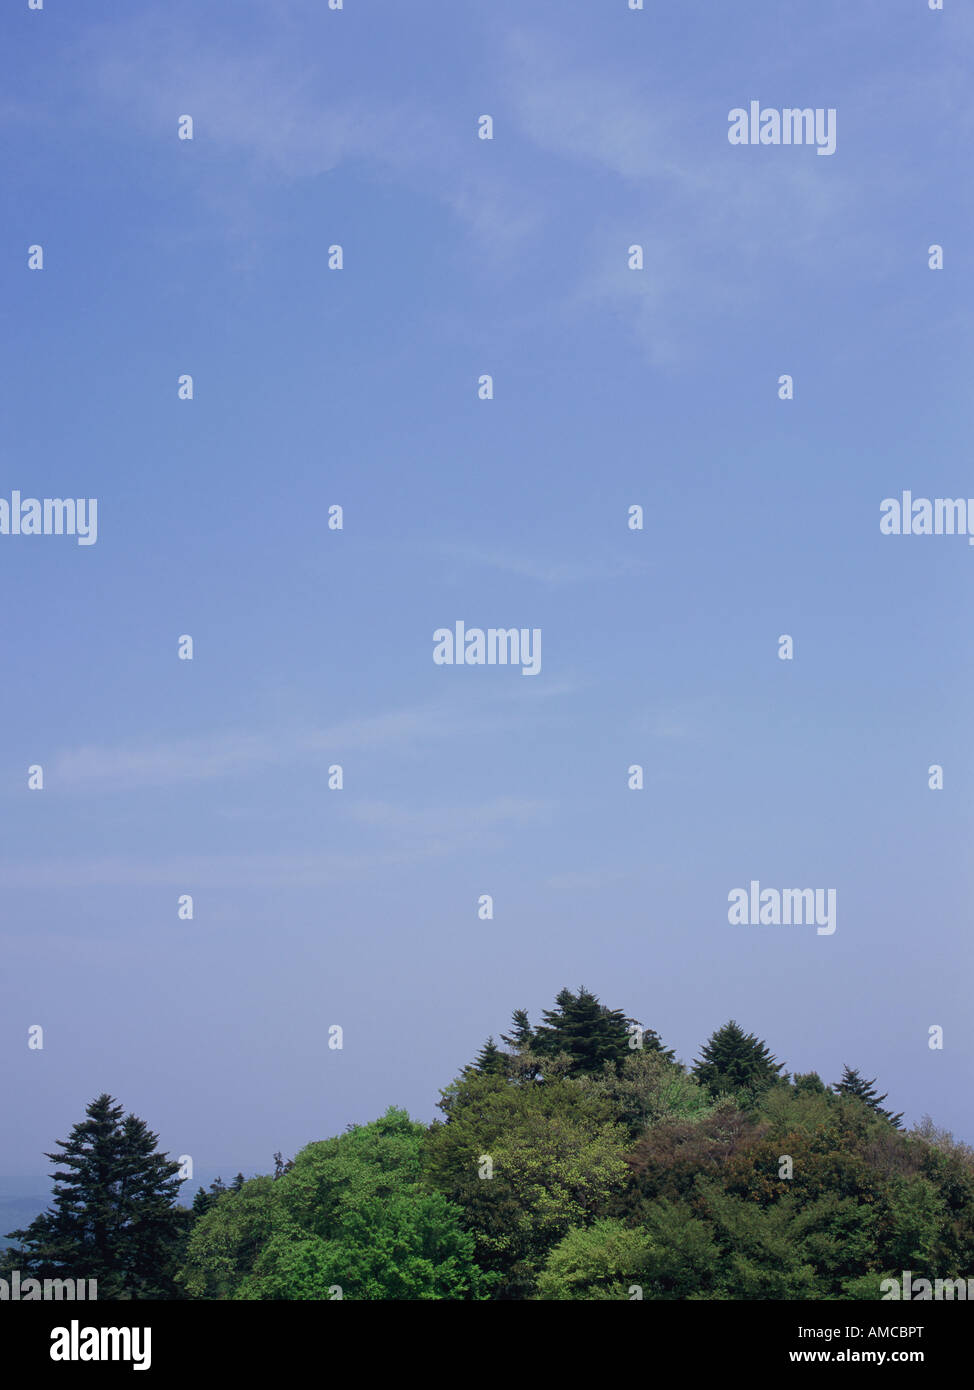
(854, 1084)
(490, 1060)
(591, 1033)
(732, 1060)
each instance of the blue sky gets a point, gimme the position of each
(312, 647)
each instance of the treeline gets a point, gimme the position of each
(576, 1159)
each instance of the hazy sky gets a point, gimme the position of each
(313, 647)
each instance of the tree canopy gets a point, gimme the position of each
(580, 1160)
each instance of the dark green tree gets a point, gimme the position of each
(206, 1199)
(521, 1038)
(590, 1033)
(853, 1084)
(733, 1060)
(114, 1217)
(491, 1060)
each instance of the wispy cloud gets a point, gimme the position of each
(280, 114)
(394, 835)
(552, 573)
(645, 132)
(408, 731)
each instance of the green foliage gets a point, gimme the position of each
(949, 1165)
(348, 1219)
(669, 1157)
(491, 1060)
(227, 1239)
(810, 1083)
(521, 1036)
(574, 1166)
(589, 1033)
(670, 1256)
(205, 1199)
(733, 1061)
(852, 1084)
(646, 1089)
(114, 1217)
(599, 1262)
(555, 1157)
(915, 1215)
(782, 1108)
(759, 1254)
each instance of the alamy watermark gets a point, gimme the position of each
(18, 1290)
(792, 125)
(495, 646)
(77, 1343)
(770, 907)
(924, 516)
(920, 1290)
(50, 516)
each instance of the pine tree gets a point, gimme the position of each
(589, 1032)
(853, 1084)
(204, 1200)
(522, 1034)
(490, 1060)
(113, 1217)
(733, 1060)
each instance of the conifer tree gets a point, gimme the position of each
(589, 1032)
(522, 1034)
(733, 1060)
(204, 1200)
(853, 1084)
(113, 1217)
(490, 1060)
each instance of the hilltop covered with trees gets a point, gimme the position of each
(575, 1159)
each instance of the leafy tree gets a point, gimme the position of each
(915, 1214)
(781, 1110)
(350, 1214)
(760, 1257)
(647, 1089)
(225, 1242)
(670, 1156)
(683, 1259)
(733, 1060)
(406, 1246)
(525, 1164)
(671, 1256)
(809, 1083)
(113, 1217)
(949, 1166)
(598, 1262)
(853, 1084)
